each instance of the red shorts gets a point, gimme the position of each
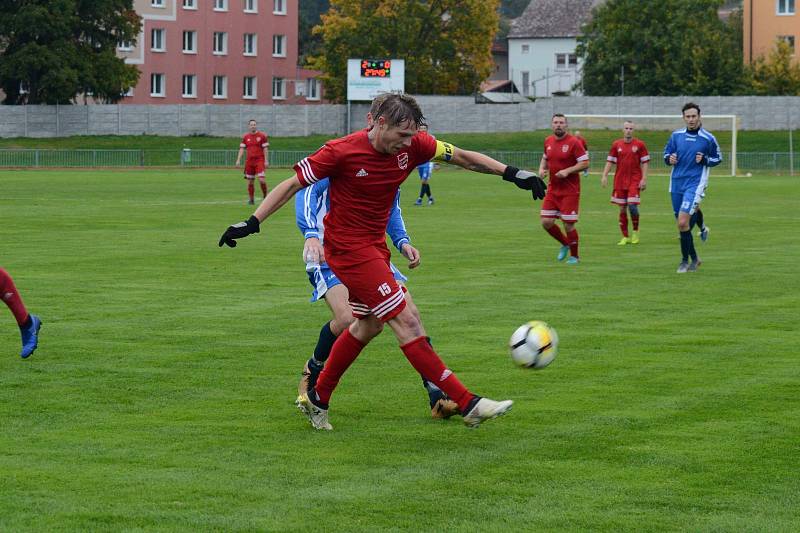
(625, 196)
(563, 206)
(254, 168)
(369, 279)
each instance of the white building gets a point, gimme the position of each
(541, 46)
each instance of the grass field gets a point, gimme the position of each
(160, 398)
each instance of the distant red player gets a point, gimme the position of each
(257, 145)
(632, 160)
(564, 158)
(29, 324)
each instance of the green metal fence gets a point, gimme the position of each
(773, 162)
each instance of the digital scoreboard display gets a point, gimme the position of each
(376, 68)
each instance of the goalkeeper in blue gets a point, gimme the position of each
(691, 152)
(311, 206)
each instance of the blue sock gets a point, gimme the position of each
(324, 344)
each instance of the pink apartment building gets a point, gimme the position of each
(218, 52)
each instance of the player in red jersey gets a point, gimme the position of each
(632, 160)
(582, 140)
(29, 324)
(257, 145)
(365, 168)
(563, 159)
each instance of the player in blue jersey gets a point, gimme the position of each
(691, 151)
(311, 206)
(425, 170)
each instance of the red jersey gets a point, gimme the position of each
(363, 186)
(560, 154)
(255, 144)
(629, 158)
(582, 141)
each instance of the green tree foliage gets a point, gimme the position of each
(57, 49)
(668, 47)
(309, 15)
(446, 43)
(777, 75)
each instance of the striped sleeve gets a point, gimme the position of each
(317, 166)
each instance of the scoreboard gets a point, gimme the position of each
(366, 78)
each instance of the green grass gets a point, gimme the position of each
(748, 141)
(160, 398)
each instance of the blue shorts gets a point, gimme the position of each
(687, 194)
(322, 278)
(425, 170)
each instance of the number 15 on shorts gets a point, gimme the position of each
(384, 289)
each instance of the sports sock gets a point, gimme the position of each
(623, 223)
(434, 393)
(263, 188)
(421, 191)
(634, 209)
(697, 219)
(572, 237)
(686, 244)
(692, 251)
(427, 189)
(9, 294)
(324, 343)
(344, 351)
(422, 357)
(555, 231)
(251, 189)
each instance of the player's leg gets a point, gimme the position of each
(29, 324)
(259, 172)
(685, 200)
(623, 225)
(441, 405)
(429, 171)
(251, 188)
(423, 180)
(569, 206)
(698, 220)
(633, 201)
(548, 215)
(408, 330)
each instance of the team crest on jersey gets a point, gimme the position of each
(565, 148)
(402, 160)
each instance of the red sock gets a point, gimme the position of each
(263, 188)
(250, 189)
(555, 231)
(9, 294)
(635, 219)
(343, 353)
(425, 361)
(573, 242)
(623, 223)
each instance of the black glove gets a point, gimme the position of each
(239, 230)
(526, 180)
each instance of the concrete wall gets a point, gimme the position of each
(448, 114)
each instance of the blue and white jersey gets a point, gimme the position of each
(685, 144)
(311, 204)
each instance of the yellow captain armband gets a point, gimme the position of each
(444, 151)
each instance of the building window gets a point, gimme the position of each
(280, 7)
(189, 4)
(251, 6)
(220, 87)
(279, 45)
(124, 46)
(312, 89)
(220, 43)
(785, 7)
(220, 5)
(190, 42)
(157, 3)
(788, 39)
(158, 39)
(157, 85)
(278, 88)
(189, 86)
(566, 61)
(526, 83)
(250, 44)
(249, 91)
(526, 48)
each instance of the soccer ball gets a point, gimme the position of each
(533, 345)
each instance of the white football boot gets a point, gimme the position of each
(317, 416)
(486, 409)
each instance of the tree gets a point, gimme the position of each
(53, 50)
(446, 44)
(309, 15)
(778, 75)
(669, 47)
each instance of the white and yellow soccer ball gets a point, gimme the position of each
(534, 345)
